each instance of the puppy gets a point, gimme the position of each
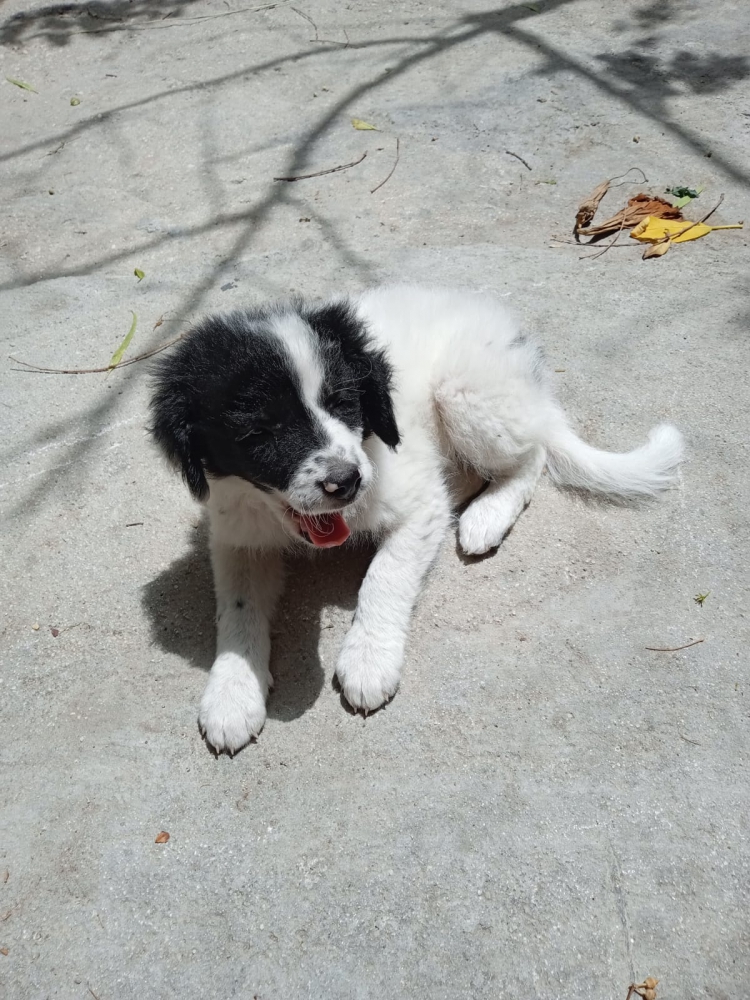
(299, 425)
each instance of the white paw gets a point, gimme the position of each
(233, 706)
(369, 673)
(477, 534)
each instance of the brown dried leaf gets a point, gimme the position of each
(55, 632)
(162, 838)
(657, 249)
(587, 209)
(3, 951)
(637, 209)
(650, 983)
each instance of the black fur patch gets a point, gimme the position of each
(227, 400)
(360, 369)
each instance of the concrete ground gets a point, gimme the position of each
(547, 809)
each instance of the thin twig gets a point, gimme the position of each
(694, 742)
(395, 164)
(92, 993)
(700, 221)
(673, 649)
(593, 256)
(309, 20)
(577, 243)
(321, 173)
(39, 370)
(644, 181)
(518, 158)
(510, 153)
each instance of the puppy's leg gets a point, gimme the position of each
(497, 434)
(487, 520)
(369, 665)
(233, 707)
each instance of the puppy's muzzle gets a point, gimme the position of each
(342, 481)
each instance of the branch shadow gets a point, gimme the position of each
(58, 22)
(180, 609)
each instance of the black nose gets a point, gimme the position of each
(342, 482)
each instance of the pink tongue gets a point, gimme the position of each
(326, 530)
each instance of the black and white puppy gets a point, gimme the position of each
(298, 425)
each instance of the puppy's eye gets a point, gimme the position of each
(339, 401)
(259, 431)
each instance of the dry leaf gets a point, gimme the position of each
(657, 249)
(363, 126)
(162, 838)
(638, 208)
(652, 229)
(55, 632)
(587, 209)
(646, 990)
(21, 84)
(3, 951)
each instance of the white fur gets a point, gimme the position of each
(468, 396)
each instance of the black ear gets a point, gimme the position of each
(376, 399)
(173, 430)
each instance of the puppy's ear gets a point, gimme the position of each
(173, 429)
(376, 400)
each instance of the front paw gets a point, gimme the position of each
(233, 706)
(369, 673)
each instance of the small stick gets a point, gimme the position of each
(673, 649)
(619, 176)
(134, 524)
(309, 21)
(699, 221)
(39, 370)
(321, 173)
(395, 164)
(593, 256)
(694, 742)
(518, 158)
(92, 993)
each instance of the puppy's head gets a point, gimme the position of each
(282, 398)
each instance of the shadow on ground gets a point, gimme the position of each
(179, 604)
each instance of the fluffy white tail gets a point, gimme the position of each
(643, 472)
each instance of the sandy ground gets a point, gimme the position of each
(547, 809)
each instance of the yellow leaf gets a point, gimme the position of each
(118, 355)
(653, 229)
(363, 126)
(657, 249)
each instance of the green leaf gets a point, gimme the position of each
(21, 84)
(140, 275)
(118, 355)
(363, 126)
(700, 598)
(75, 101)
(683, 195)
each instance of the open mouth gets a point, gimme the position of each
(324, 531)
